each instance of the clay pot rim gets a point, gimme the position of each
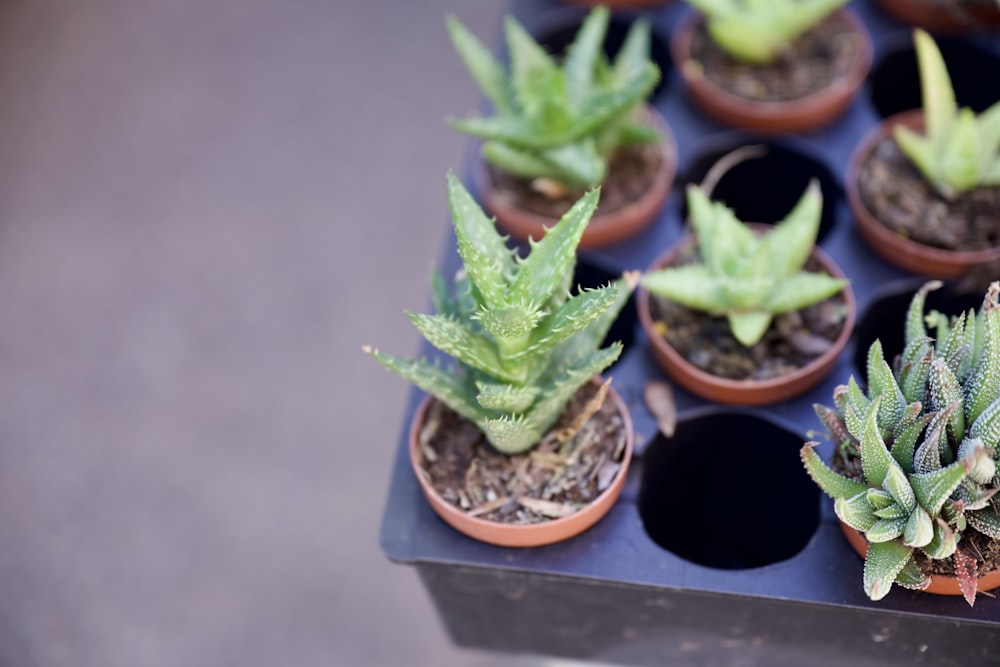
(923, 15)
(749, 387)
(941, 584)
(518, 535)
(770, 116)
(604, 228)
(878, 235)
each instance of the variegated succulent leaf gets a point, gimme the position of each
(559, 120)
(945, 391)
(957, 150)
(983, 385)
(884, 562)
(914, 328)
(743, 276)
(882, 383)
(758, 32)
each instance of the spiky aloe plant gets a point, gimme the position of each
(757, 31)
(927, 434)
(958, 150)
(554, 120)
(523, 344)
(749, 278)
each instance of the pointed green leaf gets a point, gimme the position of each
(634, 54)
(912, 578)
(986, 521)
(946, 391)
(451, 337)
(983, 386)
(583, 52)
(555, 395)
(944, 542)
(791, 240)
(903, 444)
(484, 254)
(885, 530)
(512, 434)
(935, 87)
(933, 488)
(445, 386)
(882, 565)
(692, 285)
(485, 69)
(505, 397)
(855, 512)
(803, 289)
(899, 488)
(833, 484)
(915, 313)
(881, 500)
(987, 426)
(875, 458)
(919, 529)
(749, 328)
(529, 63)
(555, 255)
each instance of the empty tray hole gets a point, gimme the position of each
(894, 83)
(885, 318)
(728, 491)
(558, 34)
(766, 188)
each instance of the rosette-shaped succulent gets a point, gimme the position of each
(919, 450)
(523, 343)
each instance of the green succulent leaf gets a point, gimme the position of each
(789, 243)
(506, 397)
(693, 286)
(883, 564)
(485, 256)
(875, 458)
(915, 328)
(485, 69)
(749, 328)
(983, 386)
(986, 521)
(987, 426)
(885, 530)
(511, 434)
(933, 488)
(881, 500)
(445, 386)
(803, 289)
(583, 53)
(899, 488)
(903, 444)
(919, 529)
(856, 512)
(833, 484)
(477, 351)
(944, 542)
(912, 578)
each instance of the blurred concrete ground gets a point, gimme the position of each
(206, 208)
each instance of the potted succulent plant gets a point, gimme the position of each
(954, 16)
(732, 316)
(560, 128)
(924, 186)
(518, 445)
(915, 459)
(772, 65)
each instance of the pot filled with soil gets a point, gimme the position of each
(752, 316)
(949, 16)
(552, 493)
(914, 468)
(700, 353)
(638, 181)
(908, 222)
(803, 85)
(564, 126)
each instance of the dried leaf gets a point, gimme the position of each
(967, 573)
(659, 397)
(588, 410)
(547, 508)
(486, 508)
(606, 474)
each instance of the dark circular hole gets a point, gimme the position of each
(559, 33)
(728, 491)
(766, 188)
(885, 317)
(894, 82)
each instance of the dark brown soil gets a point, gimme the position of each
(810, 64)
(471, 475)
(901, 199)
(793, 340)
(985, 549)
(631, 172)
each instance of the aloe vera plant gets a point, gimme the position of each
(757, 31)
(522, 343)
(958, 149)
(927, 435)
(559, 121)
(744, 276)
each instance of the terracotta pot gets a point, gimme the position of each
(941, 584)
(531, 535)
(742, 392)
(798, 115)
(897, 250)
(604, 228)
(935, 15)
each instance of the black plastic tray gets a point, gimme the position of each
(717, 595)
